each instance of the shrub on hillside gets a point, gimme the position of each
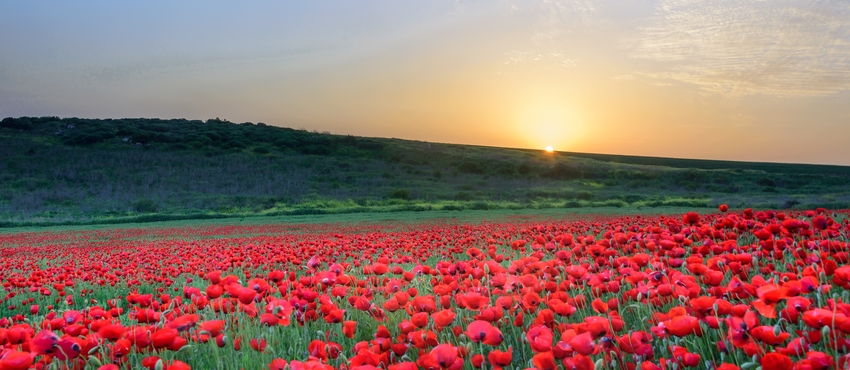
(145, 206)
(403, 194)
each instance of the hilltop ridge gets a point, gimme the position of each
(79, 170)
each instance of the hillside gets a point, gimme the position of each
(78, 170)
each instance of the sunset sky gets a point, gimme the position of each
(714, 79)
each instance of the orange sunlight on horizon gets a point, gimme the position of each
(662, 78)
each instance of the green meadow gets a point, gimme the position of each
(73, 171)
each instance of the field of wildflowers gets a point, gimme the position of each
(730, 290)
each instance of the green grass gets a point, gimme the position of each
(376, 217)
(77, 171)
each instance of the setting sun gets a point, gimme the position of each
(549, 149)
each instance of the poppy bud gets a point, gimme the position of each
(457, 331)
(477, 360)
(95, 361)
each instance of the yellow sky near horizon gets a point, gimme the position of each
(714, 79)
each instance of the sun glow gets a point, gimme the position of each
(548, 121)
(550, 149)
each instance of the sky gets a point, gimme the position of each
(715, 79)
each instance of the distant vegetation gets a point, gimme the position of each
(77, 170)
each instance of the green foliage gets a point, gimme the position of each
(790, 203)
(766, 182)
(564, 171)
(470, 167)
(22, 123)
(572, 204)
(145, 206)
(463, 196)
(403, 194)
(77, 170)
(261, 150)
(584, 195)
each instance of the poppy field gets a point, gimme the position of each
(735, 289)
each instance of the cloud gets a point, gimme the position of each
(556, 15)
(515, 58)
(777, 47)
(742, 120)
(518, 57)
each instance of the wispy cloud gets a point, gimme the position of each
(515, 58)
(777, 47)
(551, 22)
(557, 15)
(742, 120)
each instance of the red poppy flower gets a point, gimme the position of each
(484, 332)
(540, 338)
(544, 361)
(445, 355)
(44, 343)
(277, 364)
(499, 358)
(16, 361)
(258, 344)
(443, 318)
(776, 361)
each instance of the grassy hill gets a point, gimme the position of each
(71, 170)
